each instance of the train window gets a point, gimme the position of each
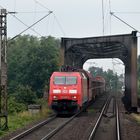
(71, 80)
(65, 80)
(59, 80)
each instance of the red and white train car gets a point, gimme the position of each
(69, 91)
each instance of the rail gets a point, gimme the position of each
(103, 113)
(118, 122)
(25, 133)
(53, 132)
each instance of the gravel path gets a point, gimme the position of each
(80, 127)
(130, 128)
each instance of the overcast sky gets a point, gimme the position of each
(73, 18)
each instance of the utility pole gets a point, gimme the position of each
(3, 70)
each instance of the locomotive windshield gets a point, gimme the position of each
(65, 80)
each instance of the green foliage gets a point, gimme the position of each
(25, 95)
(111, 78)
(43, 102)
(22, 119)
(14, 106)
(95, 71)
(31, 61)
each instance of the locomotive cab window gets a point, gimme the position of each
(59, 80)
(65, 80)
(71, 80)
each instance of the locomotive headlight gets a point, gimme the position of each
(73, 91)
(56, 91)
(55, 97)
(74, 97)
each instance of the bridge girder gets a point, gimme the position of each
(78, 50)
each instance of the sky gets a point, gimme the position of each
(73, 18)
(114, 64)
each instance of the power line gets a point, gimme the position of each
(15, 2)
(42, 5)
(31, 12)
(124, 22)
(32, 25)
(59, 25)
(118, 62)
(127, 12)
(11, 13)
(26, 25)
(54, 16)
(110, 14)
(2, 7)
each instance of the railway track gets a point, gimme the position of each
(107, 125)
(46, 129)
(53, 132)
(79, 128)
(54, 127)
(27, 132)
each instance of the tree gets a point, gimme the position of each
(31, 61)
(96, 71)
(25, 95)
(111, 78)
(14, 106)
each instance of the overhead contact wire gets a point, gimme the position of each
(42, 5)
(26, 25)
(54, 17)
(110, 15)
(124, 22)
(29, 27)
(32, 25)
(59, 25)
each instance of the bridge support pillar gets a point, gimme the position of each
(134, 102)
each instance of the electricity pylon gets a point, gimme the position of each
(3, 70)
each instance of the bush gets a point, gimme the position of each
(14, 106)
(25, 95)
(43, 102)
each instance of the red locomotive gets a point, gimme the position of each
(69, 91)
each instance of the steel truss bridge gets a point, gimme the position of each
(75, 51)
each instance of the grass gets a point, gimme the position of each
(20, 120)
(136, 117)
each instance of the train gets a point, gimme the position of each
(70, 91)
